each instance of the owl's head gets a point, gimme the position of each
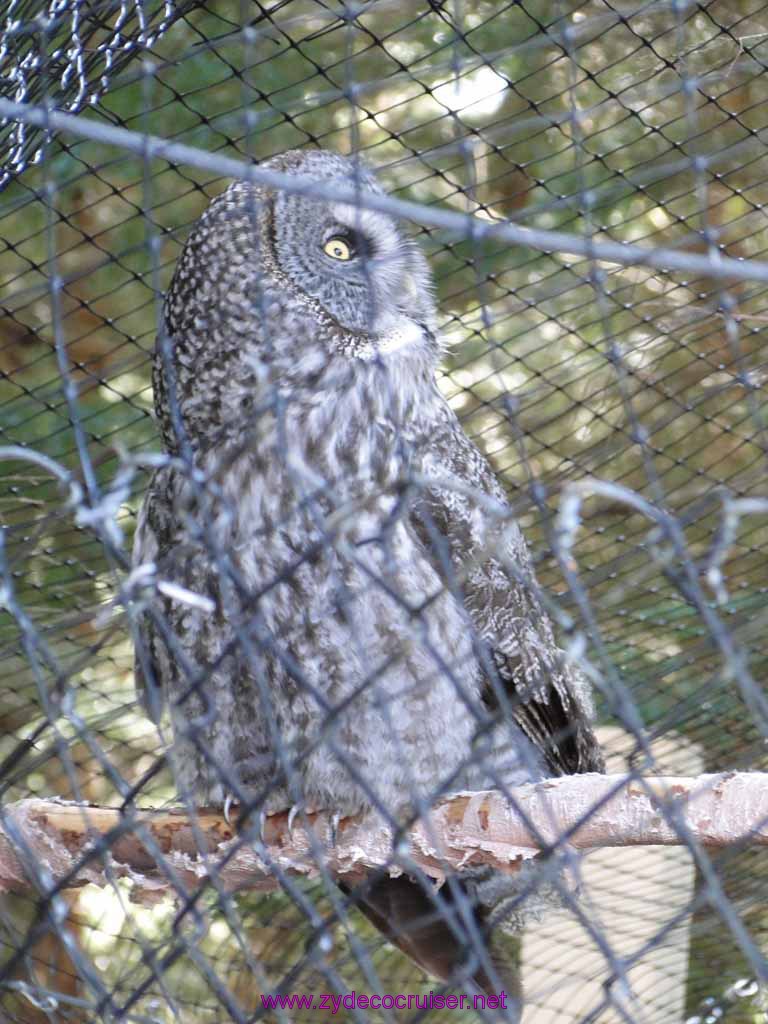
(357, 264)
(280, 282)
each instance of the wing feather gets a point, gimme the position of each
(486, 558)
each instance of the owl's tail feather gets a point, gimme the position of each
(410, 919)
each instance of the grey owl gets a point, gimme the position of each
(368, 635)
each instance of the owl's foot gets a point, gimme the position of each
(240, 821)
(301, 808)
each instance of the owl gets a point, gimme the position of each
(350, 621)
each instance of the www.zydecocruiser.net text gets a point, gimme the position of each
(388, 1001)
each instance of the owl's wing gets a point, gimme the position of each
(483, 556)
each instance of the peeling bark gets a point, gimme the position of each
(173, 851)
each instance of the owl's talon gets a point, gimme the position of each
(292, 817)
(335, 819)
(228, 801)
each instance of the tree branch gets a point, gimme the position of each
(171, 850)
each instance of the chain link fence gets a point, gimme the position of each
(587, 183)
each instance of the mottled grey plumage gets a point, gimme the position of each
(376, 639)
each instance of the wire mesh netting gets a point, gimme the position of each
(331, 608)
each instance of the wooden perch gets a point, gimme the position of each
(153, 847)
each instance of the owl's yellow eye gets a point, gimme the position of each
(338, 249)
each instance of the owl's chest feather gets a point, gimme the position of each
(331, 452)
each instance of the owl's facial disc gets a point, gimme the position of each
(358, 266)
